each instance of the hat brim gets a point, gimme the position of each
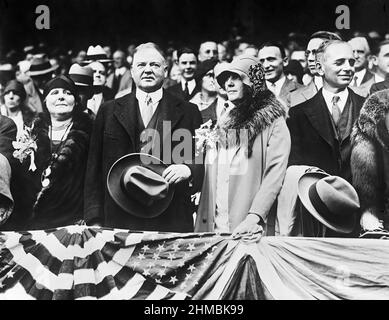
(223, 76)
(343, 224)
(42, 72)
(131, 205)
(98, 60)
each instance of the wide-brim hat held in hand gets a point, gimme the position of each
(136, 185)
(330, 199)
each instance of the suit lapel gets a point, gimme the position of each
(125, 113)
(318, 115)
(169, 110)
(368, 75)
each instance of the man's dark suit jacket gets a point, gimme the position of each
(178, 92)
(115, 134)
(379, 86)
(314, 141)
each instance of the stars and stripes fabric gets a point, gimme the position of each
(80, 262)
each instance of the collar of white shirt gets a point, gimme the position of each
(191, 85)
(360, 74)
(120, 71)
(318, 81)
(378, 78)
(343, 95)
(156, 96)
(276, 86)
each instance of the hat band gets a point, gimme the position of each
(80, 78)
(321, 207)
(96, 57)
(40, 67)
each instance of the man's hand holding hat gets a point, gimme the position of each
(176, 173)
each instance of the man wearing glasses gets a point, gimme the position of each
(307, 92)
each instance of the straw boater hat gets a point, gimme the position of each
(136, 184)
(96, 54)
(330, 199)
(40, 65)
(82, 76)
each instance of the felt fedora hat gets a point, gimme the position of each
(96, 53)
(40, 64)
(330, 199)
(81, 76)
(136, 185)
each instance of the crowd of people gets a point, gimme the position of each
(83, 138)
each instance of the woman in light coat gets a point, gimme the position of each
(244, 176)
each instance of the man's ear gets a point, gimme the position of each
(285, 61)
(166, 71)
(374, 59)
(319, 68)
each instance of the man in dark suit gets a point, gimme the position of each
(273, 59)
(320, 128)
(308, 91)
(120, 81)
(187, 63)
(120, 128)
(361, 52)
(380, 55)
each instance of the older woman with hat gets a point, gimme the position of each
(62, 136)
(245, 172)
(14, 105)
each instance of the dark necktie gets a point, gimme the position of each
(336, 113)
(116, 83)
(186, 91)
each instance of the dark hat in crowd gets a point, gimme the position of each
(82, 76)
(17, 88)
(63, 82)
(248, 68)
(295, 68)
(96, 53)
(203, 68)
(136, 184)
(40, 65)
(330, 199)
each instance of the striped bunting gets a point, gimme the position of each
(80, 262)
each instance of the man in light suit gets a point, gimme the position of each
(273, 59)
(120, 128)
(307, 92)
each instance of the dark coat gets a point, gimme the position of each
(370, 156)
(116, 134)
(61, 202)
(313, 138)
(210, 112)
(177, 91)
(379, 86)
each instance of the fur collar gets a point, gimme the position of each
(82, 125)
(371, 121)
(254, 115)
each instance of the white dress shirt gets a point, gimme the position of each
(343, 95)
(120, 71)
(378, 78)
(219, 106)
(141, 96)
(276, 86)
(359, 75)
(191, 85)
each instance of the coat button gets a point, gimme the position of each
(204, 220)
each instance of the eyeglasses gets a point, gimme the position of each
(210, 51)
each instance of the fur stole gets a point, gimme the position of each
(254, 115)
